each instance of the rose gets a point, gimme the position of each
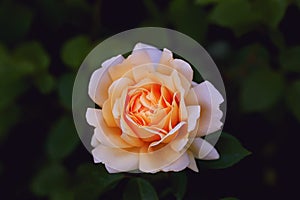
(152, 115)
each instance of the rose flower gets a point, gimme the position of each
(153, 116)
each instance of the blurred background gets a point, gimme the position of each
(255, 44)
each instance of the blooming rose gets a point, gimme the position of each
(152, 114)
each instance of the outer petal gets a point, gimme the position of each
(180, 164)
(209, 99)
(192, 165)
(157, 160)
(94, 142)
(92, 116)
(153, 52)
(104, 134)
(111, 170)
(193, 115)
(203, 150)
(100, 80)
(183, 68)
(116, 158)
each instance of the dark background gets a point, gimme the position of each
(255, 44)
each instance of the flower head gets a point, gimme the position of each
(152, 115)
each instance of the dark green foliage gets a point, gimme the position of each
(231, 152)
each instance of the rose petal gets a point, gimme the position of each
(113, 61)
(191, 98)
(166, 57)
(100, 81)
(111, 138)
(157, 160)
(203, 150)
(181, 163)
(209, 99)
(118, 87)
(107, 114)
(92, 116)
(183, 68)
(116, 158)
(111, 170)
(142, 71)
(193, 115)
(192, 165)
(153, 52)
(104, 134)
(94, 141)
(172, 133)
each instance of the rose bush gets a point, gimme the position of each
(153, 116)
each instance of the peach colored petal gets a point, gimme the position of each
(109, 136)
(142, 71)
(107, 114)
(166, 57)
(100, 81)
(94, 141)
(118, 86)
(119, 70)
(209, 99)
(133, 141)
(111, 170)
(103, 133)
(172, 133)
(179, 143)
(183, 68)
(193, 116)
(203, 150)
(181, 163)
(192, 164)
(116, 158)
(191, 98)
(157, 160)
(113, 61)
(180, 82)
(153, 53)
(142, 132)
(92, 116)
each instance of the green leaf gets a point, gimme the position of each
(270, 12)
(235, 14)
(65, 88)
(231, 152)
(138, 188)
(261, 90)
(289, 59)
(62, 139)
(33, 53)
(93, 181)
(75, 50)
(178, 184)
(15, 21)
(51, 179)
(293, 98)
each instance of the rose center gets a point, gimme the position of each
(149, 103)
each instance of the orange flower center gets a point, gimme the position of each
(149, 104)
